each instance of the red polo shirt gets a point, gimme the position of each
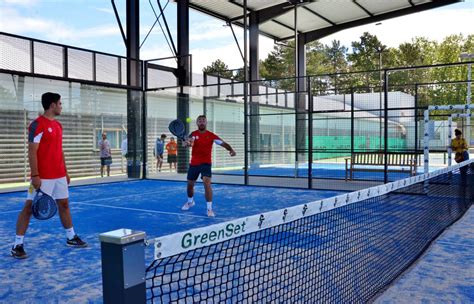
(49, 135)
(202, 147)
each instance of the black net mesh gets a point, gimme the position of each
(347, 254)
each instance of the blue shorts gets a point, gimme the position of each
(203, 169)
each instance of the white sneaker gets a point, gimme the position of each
(187, 206)
(210, 213)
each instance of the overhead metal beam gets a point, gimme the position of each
(320, 33)
(268, 13)
(167, 27)
(271, 12)
(363, 8)
(284, 25)
(239, 5)
(319, 15)
(227, 19)
(236, 40)
(119, 22)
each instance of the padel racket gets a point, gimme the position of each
(178, 129)
(44, 206)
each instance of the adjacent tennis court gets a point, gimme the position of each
(56, 273)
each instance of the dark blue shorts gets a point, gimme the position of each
(203, 169)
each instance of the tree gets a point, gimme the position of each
(336, 54)
(364, 57)
(218, 68)
(279, 64)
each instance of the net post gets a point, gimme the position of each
(450, 123)
(385, 92)
(123, 266)
(426, 142)
(416, 120)
(310, 133)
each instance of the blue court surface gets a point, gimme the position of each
(55, 273)
(445, 274)
(320, 170)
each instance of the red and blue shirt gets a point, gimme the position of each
(202, 147)
(49, 135)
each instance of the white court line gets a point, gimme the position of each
(455, 244)
(116, 196)
(127, 208)
(12, 211)
(146, 210)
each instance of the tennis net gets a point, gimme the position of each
(347, 248)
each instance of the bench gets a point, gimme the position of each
(404, 160)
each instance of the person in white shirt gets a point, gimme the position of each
(105, 155)
(124, 147)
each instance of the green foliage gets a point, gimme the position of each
(218, 68)
(332, 62)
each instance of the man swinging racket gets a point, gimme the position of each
(201, 142)
(48, 172)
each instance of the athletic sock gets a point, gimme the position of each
(70, 233)
(19, 240)
(190, 199)
(209, 205)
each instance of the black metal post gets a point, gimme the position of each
(134, 97)
(385, 91)
(183, 78)
(246, 118)
(300, 99)
(183, 43)
(94, 67)
(352, 121)
(123, 266)
(416, 119)
(144, 123)
(65, 63)
(310, 134)
(32, 56)
(254, 103)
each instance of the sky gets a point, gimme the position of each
(91, 24)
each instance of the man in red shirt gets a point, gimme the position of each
(48, 172)
(202, 140)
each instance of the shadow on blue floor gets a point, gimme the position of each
(56, 273)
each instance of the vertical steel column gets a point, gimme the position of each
(65, 63)
(134, 97)
(254, 87)
(144, 121)
(385, 92)
(183, 78)
(32, 56)
(416, 121)
(300, 99)
(426, 142)
(94, 66)
(310, 134)
(468, 102)
(246, 117)
(352, 121)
